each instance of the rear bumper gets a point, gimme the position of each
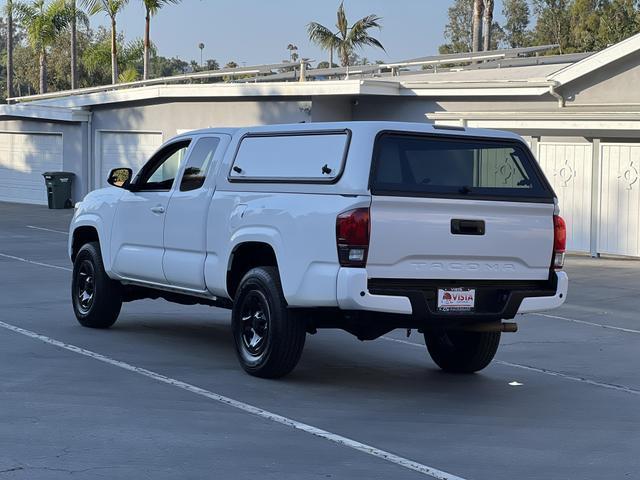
(416, 298)
(540, 304)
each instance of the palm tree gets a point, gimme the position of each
(130, 54)
(43, 23)
(74, 46)
(347, 38)
(111, 8)
(487, 22)
(77, 15)
(9, 11)
(151, 8)
(478, 9)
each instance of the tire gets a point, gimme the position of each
(269, 337)
(462, 352)
(96, 298)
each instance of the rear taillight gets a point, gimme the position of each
(352, 237)
(559, 241)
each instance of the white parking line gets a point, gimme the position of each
(47, 230)
(40, 264)
(584, 322)
(245, 407)
(610, 386)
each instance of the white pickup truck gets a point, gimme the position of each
(362, 226)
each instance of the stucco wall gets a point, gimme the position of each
(612, 86)
(414, 109)
(170, 117)
(333, 109)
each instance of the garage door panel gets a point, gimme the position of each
(619, 226)
(126, 149)
(568, 167)
(24, 157)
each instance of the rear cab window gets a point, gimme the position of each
(296, 157)
(456, 167)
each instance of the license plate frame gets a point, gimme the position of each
(456, 299)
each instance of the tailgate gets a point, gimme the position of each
(412, 238)
(458, 207)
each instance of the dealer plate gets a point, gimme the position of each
(456, 299)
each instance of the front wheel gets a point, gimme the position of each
(96, 298)
(268, 336)
(462, 352)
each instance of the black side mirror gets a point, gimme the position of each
(120, 177)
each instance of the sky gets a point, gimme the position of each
(258, 31)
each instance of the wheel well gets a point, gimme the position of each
(245, 257)
(82, 236)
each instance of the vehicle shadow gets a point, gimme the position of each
(332, 360)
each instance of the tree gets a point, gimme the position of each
(553, 23)
(77, 15)
(487, 24)
(151, 9)
(476, 35)
(516, 26)
(585, 24)
(348, 38)
(130, 57)
(167, 67)
(293, 53)
(619, 19)
(74, 47)
(212, 64)
(231, 64)
(111, 8)
(458, 30)
(9, 12)
(43, 24)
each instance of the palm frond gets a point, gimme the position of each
(97, 56)
(43, 22)
(153, 6)
(342, 24)
(322, 36)
(92, 6)
(129, 75)
(109, 7)
(368, 22)
(359, 36)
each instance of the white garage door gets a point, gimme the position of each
(125, 149)
(568, 168)
(24, 157)
(620, 200)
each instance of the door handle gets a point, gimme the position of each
(157, 209)
(467, 227)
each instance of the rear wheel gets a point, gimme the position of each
(269, 337)
(96, 298)
(462, 352)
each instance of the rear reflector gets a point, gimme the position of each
(559, 241)
(352, 237)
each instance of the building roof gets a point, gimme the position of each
(220, 90)
(596, 61)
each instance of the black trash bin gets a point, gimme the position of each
(59, 188)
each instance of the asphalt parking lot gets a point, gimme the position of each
(161, 395)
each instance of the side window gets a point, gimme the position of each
(316, 156)
(198, 164)
(160, 172)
